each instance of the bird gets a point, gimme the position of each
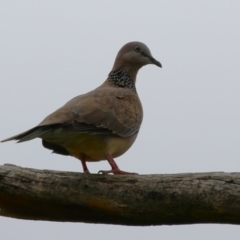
(103, 123)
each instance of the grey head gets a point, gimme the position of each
(132, 56)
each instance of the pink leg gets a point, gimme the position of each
(115, 168)
(84, 165)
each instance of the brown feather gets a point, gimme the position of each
(116, 110)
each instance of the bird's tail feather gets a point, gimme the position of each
(30, 134)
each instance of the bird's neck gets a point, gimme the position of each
(121, 78)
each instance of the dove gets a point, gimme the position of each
(103, 123)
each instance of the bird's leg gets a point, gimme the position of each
(84, 165)
(115, 168)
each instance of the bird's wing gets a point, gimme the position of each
(106, 110)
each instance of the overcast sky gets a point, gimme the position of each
(51, 51)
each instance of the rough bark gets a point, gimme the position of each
(141, 200)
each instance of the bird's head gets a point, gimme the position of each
(132, 56)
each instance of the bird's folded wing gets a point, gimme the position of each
(103, 111)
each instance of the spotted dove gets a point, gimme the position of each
(101, 124)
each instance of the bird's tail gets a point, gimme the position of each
(30, 134)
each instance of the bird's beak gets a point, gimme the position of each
(154, 61)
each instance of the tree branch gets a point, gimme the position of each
(127, 200)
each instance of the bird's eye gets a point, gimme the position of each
(137, 49)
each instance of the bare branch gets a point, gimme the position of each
(127, 200)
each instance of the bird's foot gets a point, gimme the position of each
(115, 168)
(117, 172)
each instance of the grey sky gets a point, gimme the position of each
(51, 51)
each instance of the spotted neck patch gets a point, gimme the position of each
(120, 78)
